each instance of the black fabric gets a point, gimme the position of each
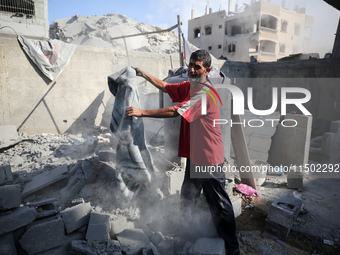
(220, 206)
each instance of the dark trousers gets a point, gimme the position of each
(219, 203)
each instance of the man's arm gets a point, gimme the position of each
(160, 113)
(153, 80)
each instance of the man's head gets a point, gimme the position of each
(199, 66)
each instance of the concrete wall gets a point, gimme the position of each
(79, 96)
(37, 26)
(319, 76)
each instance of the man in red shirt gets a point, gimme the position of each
(200, 142)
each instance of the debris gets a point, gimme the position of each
(328, 242)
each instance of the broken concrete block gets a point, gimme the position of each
(119, 223)
(66, 247)
(45, 207)
(7, 245)
(187, 248)
(175, 180)
(295, 178)
(237, 205)
(133, 241)
(20, 217)
(150, 249)
(44, 179)
(282, 213)
(208, 246)
(6, 175)
(10, 197)
(290, 145)
(157, 237)
(8, 135)
(76, 216)
(99, 227)
(43, 236)
(107, 155)
(335, 125)
(111, 247)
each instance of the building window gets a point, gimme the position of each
(18, 7)
(197, 33)
(231, 48)
(284, 26)
(220, 46)
(282, 48)
(219, 26)
(269, 21)
(208, 30)
(297, 30)
(209, 48)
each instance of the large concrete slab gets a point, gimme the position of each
(99, 227)
(44, 179)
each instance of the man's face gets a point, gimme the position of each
(196, 71)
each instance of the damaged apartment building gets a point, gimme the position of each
(59, 189)
(261, 30)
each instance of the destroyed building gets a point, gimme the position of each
(58, 187)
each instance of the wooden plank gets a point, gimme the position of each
(239, 143)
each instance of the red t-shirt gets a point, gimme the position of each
(199, 140)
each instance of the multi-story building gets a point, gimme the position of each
(262, 30)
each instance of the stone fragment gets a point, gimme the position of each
(99, 227)
(76, 216)
(44, 179)
(133, 241)
(10, 197)
(20, 217)
(6, 175)
(43, 236)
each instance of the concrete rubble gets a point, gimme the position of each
(98, 30)
(62, 189)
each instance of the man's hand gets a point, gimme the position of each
(133, 111)
(139, 72)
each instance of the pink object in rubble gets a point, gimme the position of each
(247, 190)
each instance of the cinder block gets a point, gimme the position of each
(10, 197)
(175, 180)
(76, 216)
(119, 223)
(237, 205)
(20, 217)
(6, 175)
(7, 245)
(282, 213)
(45, 207)
(133, 241)
(44, 179)
(43, 236)
(99, 227)
(208, 246)
(335, 125)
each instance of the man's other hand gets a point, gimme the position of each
(133, 111)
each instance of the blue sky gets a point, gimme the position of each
(164, 12)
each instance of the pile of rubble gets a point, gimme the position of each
(58, 195)
(98, 31)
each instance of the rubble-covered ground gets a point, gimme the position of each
(90, 178)
(98, 31)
